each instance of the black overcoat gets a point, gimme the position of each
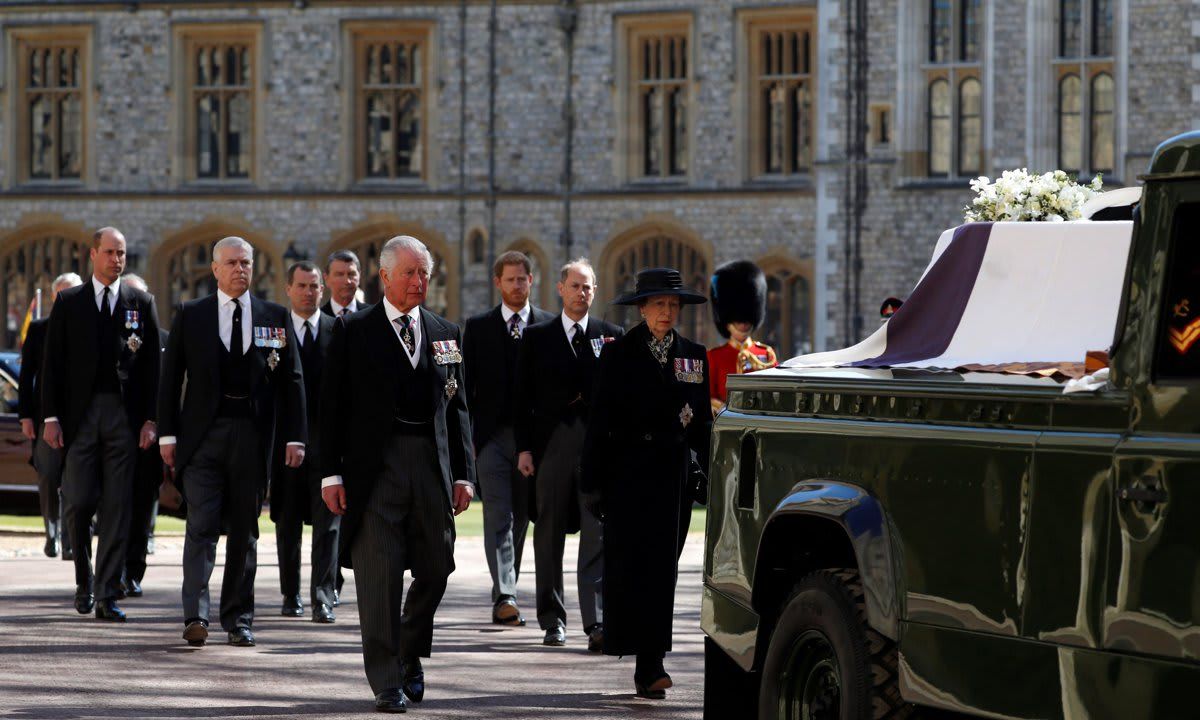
(357, 408)
(646, 425)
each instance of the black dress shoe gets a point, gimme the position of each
(196, 632)
(655, 689)
(108, 610)
(67, 553)
(134, 589)
(323, 614)
(414, 680)
(555, 636)
(337, 598)
(122, 591)
(596, 638)
(390, 701)
(506, 612)
(84, 602)
(51, 547)
(292, 606)
(241, 637)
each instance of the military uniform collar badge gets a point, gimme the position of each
(689, 371)
(446, 352)
(685, 415)
(599, 343)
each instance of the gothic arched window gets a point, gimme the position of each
(659, 250)
(30, 264)
(367, 246)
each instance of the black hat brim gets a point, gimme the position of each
(686, 297)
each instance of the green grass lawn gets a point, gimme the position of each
(469, 524)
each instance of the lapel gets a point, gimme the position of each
(210, 326)
(565, 351)
(432, 330)
(386, 349)
(258, 356)
(121, 303)
(498, 329)
(324, 333)
(661, 375)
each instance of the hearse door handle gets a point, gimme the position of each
(1143, 494)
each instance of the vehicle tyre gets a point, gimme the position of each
(730, 693)
(824, 662)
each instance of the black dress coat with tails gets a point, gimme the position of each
(647, 424)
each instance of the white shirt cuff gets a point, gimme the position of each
(464, 482)
(166, 440)
(50, 419)
(297, 444)
(331, 481)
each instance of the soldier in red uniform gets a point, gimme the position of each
(739, 303)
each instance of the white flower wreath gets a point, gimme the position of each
(1019, 196)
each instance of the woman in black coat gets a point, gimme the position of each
(647, 439)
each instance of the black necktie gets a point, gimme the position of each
(406, 334)
(105, 307)
(343, 311)
(514, 327)
(308, 335)
(577, 340)
(235, 335)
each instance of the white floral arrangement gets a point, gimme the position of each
(1019, 196)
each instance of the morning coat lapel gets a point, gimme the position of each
(324, 334)
(432, 330)
(210, 326)
(258, 356)
(387, 348)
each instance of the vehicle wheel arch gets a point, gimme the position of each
(822, 524)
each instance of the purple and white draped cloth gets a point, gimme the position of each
(997, 294)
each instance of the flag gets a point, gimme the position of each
(27, 321)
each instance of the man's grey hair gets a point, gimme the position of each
(67, 279)
(232, 241)
(346, 256)
(135, 281)
(387, 255)
(581, 264)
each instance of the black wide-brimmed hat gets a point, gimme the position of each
(660, 281)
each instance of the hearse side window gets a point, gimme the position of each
(1178, 356)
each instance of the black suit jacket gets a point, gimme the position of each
(29, 403)
(193, 357)
(327, 308)
(284, 482)
(484, 341)
(547, 391)
(358, 384)
(68, 373)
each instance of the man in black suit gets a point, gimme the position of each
(404, 469)
(46, 461)
(342, 276)
(490, 342)
(99, 381)
(555, 373)
(296, 493)
(147, 476)
(237, 356)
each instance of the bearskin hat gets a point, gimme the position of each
(739, 294)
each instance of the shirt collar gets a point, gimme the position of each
(223, 298)
(98, 287)
(337, 307)
(506, 312)
(298, 322)
(393, 312)
(567, 323)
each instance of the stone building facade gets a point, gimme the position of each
(635, 132)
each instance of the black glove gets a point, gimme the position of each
(697, 483)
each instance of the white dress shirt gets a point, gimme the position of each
(392, 314)
(299, 322)
(506, 312)
(98, 290)
(225, 305)
(568, 324)
(337, 309)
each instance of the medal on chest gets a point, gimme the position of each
(133, 343)
(685, 415)
(132, 320)
(451, 387)
(271, 337)
(599, 343)
(446, 352)
(689, 371)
